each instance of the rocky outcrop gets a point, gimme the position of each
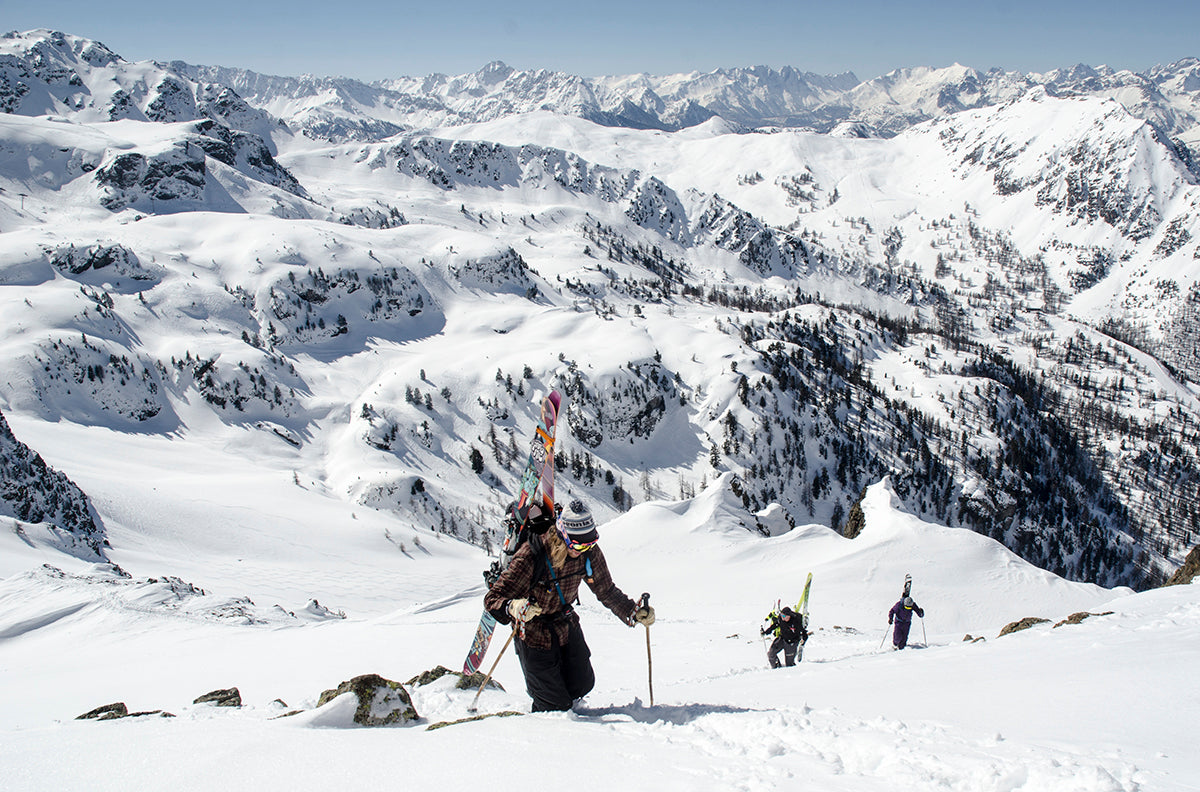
(246, 153)
(1186, 573)
(32, 491)
(1076, 618)
(119, 710)
(176, 174)
(106, 712)
(855, 520)
(71, 260)
(227, 697)
(1023, 624)
(503, 272)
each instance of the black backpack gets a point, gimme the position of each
(516, 534)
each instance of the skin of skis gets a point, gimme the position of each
(538, 475)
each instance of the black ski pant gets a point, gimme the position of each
(789, 652)
(555, 677)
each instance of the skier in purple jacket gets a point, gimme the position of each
(901, 615)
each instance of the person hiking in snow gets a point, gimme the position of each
(901, 614)
(790, 635)
(536, 594)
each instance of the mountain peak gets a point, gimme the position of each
(494, 73)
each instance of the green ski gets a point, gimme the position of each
(802, 605)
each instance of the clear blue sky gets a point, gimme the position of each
(378, 39)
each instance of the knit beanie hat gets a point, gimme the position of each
(577, 524)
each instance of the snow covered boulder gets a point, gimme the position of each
(464, 682)
(318, 612)
(381, 702)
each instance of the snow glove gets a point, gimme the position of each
(644, 614)
(522, 610)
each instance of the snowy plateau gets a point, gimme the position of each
(273, 349)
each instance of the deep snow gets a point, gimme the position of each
(1103, 705)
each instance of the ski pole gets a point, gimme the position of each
(885, 634)
(491, 670)
(923, 635)
(649, 660)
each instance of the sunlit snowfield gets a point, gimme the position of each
(1093, 706)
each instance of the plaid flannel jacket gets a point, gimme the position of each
(529, 575)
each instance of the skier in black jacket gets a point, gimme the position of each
(790, 635)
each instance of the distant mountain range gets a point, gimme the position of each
(340, 109)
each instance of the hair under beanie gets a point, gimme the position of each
(577, 524)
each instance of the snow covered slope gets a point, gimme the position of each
(1070, 707)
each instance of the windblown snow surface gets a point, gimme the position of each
(1106, 704)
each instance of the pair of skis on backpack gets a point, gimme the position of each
(801, 605)
(537, 487)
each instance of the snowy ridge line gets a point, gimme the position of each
(107, 588)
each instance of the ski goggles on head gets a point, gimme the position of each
(577, 545)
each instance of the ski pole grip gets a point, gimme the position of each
(645, 603)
